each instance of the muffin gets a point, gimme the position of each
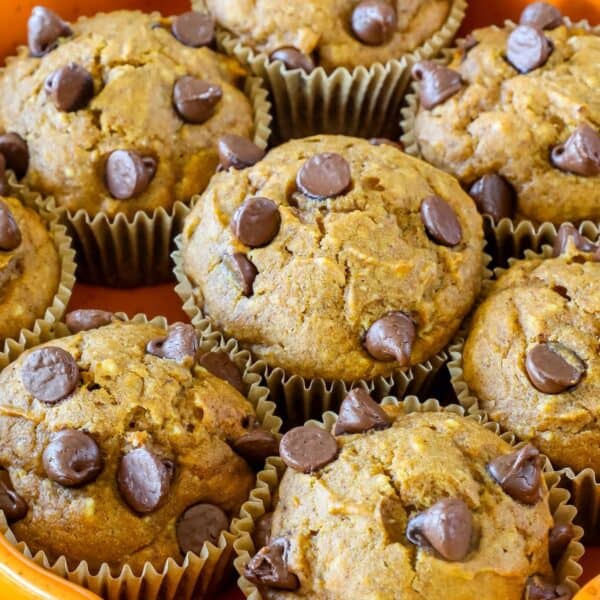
(515, 117)
(119, 449)
(335, 258)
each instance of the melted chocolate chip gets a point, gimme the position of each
(528, 48)
(360, 413)
(292, 58)
(238, 152)
(374, 22)
(50, 374)
(44, 29)
(262, 530)
(244, 271)
(308, 448)
(580, 154)
(494, 196)
(256, 222)
(386, 142)
(560, 537)
(256, 446)
(541, 15)
(196, 99)
(194, 29)
(519, 474)
(540, 589)
(391, 338)
(552, 368)
(221, 366)
(181, 342)
(10, 234)
(13, 506)
(128, 174)
(436, 83)
(71, 88)
(269, 567)
(86, 319)
(199, 524)
(324, 176)
(441, 221)
(16, 154)
(568, 232)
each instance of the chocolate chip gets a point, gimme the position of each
(308, 448)
(86, 319)
(441, 221)
(541, 15)
(262, 530)
(256, 222)
(10, 234)
(256, 446)
(360, 413)
(221, 366)
(292, 58)
(519, 474)
(13, 506)
(540, 589)
(580, 154)
(386, 142)
(181, 342)
(560, 537)
(494, 196)
(238, 152)
(128, 174)
(436, 83)
(391, 338)
(324, 176)
(199, 524)
(194, 29)
(528, 48)
(144, 480)
(446, 527)
(72, 458)
(50, 374)
(15, 151)
(44, 28)
(244, 271)
(552, 368)
(71, 88)
(269, 567)
(195, 99)
(4, 188)
(568, 232)
(374, 22)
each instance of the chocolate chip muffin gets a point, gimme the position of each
(515, 117)
(118, 448)
(120, 112)
(330, 33)
(395, 506)
(335, 258)
(29, 268)
(532, 352)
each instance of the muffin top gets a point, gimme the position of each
(336, 258)
(531, 355)
(413, 509)
(118, 448)
(119, 115)
(331, 33)
(29, 268)
(519, 106)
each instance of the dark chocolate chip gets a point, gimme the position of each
(128, 174)
(446, 527)
(269, 567)
(194, 29)
(560, 537)
(568, 232)
(308, 448)
(541, 15)
(195, 99)
(13, 506)
(256, 222)
(360, 413)
(10, 234)
(72, 458)
(144, 480)
(199, 524)
(50, 374)
(391, 338)
(71, 88)
(221, 366)
(256, 446)
(386, 142)
(552, 368)
(528, 48)
(44, 29)
(16, 154)
(441, 221)
(86, 319)
(494, 196)
(292, 58)
(436, 83)
(244, 271)
(519, 474)
(540, 589)
(262, 530)
(324, 176)
(238, 152)
(580, 154)
(4, 188)
(181, 342)
(374, 22)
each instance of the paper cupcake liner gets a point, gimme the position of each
(199, 575)
(263, 498)
(128, 252)
(43, 328)
(361, 102)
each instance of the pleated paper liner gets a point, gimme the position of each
(128, 252)
(199, 575)
(362, 102)
(43, 327)
(263, 498)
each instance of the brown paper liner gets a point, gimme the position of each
(43, 328)
(128, 252)
(263, 498)
(199, 575)
(362, 102)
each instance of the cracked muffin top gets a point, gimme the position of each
(336, 258)
(519, 107)
(119, 112)
(118, 448)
